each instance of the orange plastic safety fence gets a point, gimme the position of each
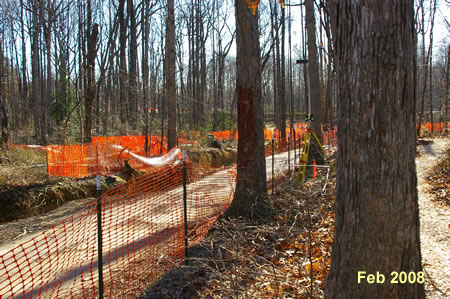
(437, 127)
(143, 236)
(135, 144)
(225, 135)
(99, 157)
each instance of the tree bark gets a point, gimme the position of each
(170, 76)
(313, 67)
(122, 69)
(447, 88)
(377, 219)
(35, 69)
(424, 67)
(132, 75)
(145, 69)
(91, 86)
(433, 4)
(25, 111)
(282, 77)
(314, 84)
(251, 187)
(4, 113)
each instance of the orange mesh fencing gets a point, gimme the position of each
(135, 144)
(99, 157)
(142, 236)
(437, 127)
(142, 227)
(225, 135)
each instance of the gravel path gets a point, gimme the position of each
(434, 224)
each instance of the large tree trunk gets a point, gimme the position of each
(314, 83)
(377, 219)
(251, 188)
(91, 88)
(313, 67)
(170, 76)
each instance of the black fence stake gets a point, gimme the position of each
(100, 248)
(185, 211)
(99, 227)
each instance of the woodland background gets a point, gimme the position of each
(73, 69)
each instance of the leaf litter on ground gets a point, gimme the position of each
(288, 256)
(439, 179)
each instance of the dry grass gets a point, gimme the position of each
(287, 257)
(27, 190)
(22, 167)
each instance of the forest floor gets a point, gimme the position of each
(289, 256)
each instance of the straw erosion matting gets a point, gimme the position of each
(211, 156)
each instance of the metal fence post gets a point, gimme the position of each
(185, 211)
(99, 248)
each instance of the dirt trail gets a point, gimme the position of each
(115, 243)
(434, 224)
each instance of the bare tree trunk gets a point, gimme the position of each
(4, 113)
(447, 90)
(251, 187)
(282, 77)
(327, 121)
(275, 65)
(122, 69)
(377, 218)
(145, 68)
(35, 69)
(132, 75)
(433, 5)
(424, 65)
(315, 153)
(313, 67)
(291, 72)
(25, 110)
(48, 98)
(91, 86)
(170, 76)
